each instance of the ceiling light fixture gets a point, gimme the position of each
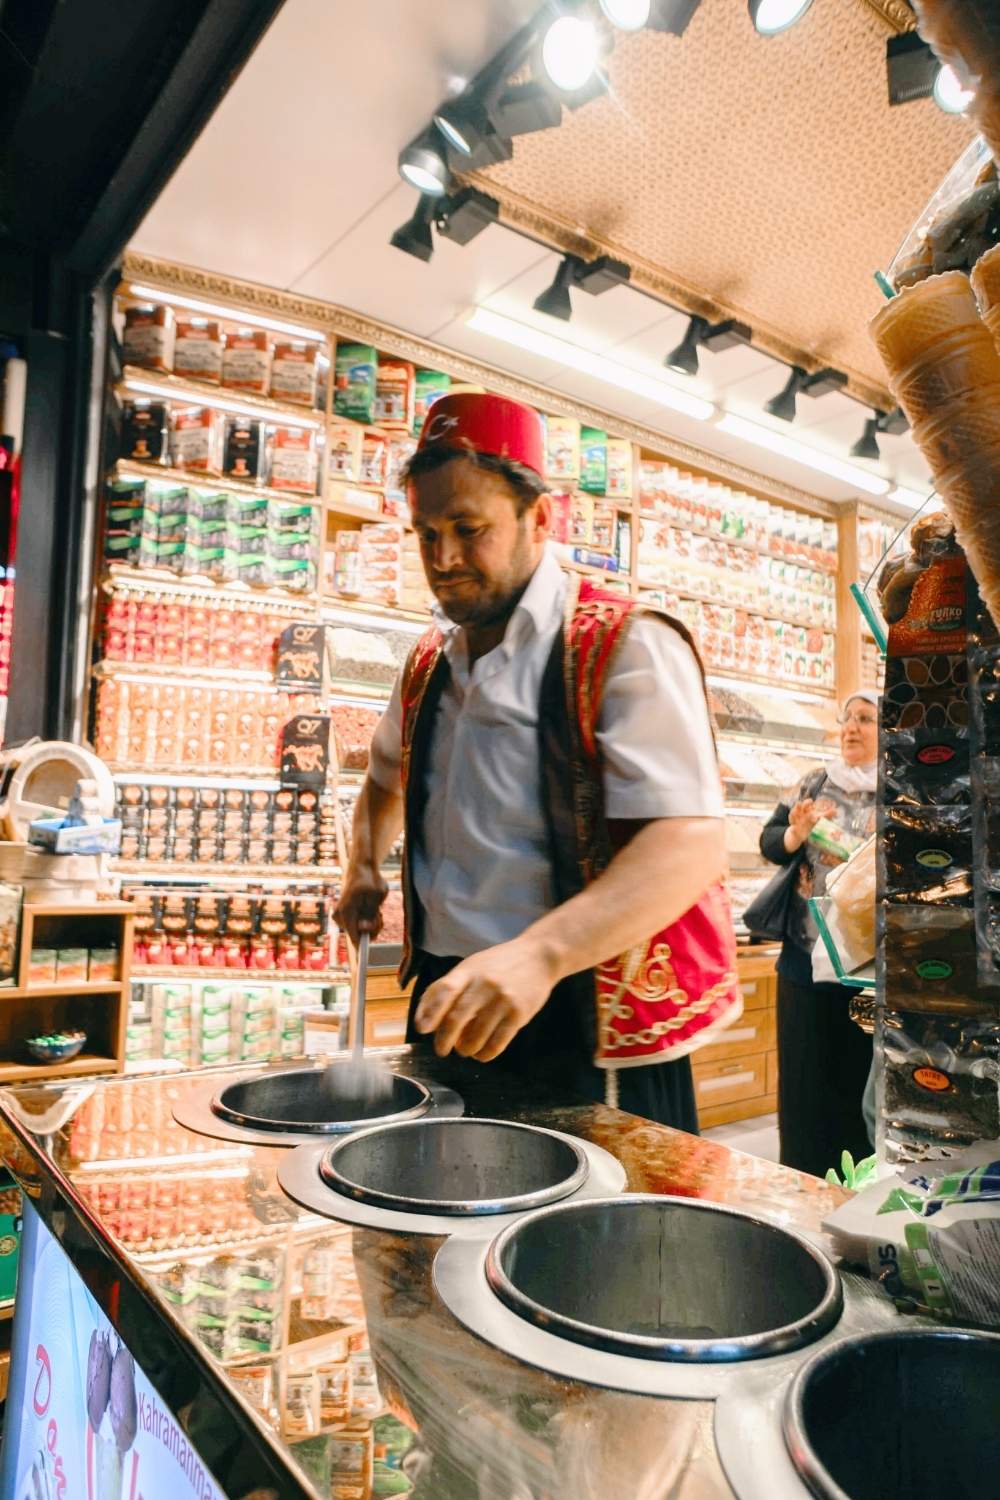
(600, 275)
(219, 310)
(468, 213)
(950, 94)
(525, 108)
(867, 444)
(772, 16)
(627, 15)
(464, 124)
(555, 300)
(702, 334)
(571, 51)
(673, 16)
(415, 237)
(783, 405)
(423, 166)
(571, 356)
(911, 68)
(894, 422)
(802, 453)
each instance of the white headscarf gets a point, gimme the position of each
(855, 779)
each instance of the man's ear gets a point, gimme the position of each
(542, 528)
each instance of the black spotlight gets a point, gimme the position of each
(783, 404)
(894, 422)
(525, 108)
(597, 276)
(702, 334)
(911, 67)
(867, 444)
(673, 16)
(423, 165)
(464, 124)
(772, 16)
(415, 235)
(555, 299)
(824, 382)
(461, 217)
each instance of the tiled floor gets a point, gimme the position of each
(758, 1137)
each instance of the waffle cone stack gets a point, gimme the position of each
(944, 370)
(986, 285)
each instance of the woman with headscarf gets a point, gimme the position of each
(823, 1058)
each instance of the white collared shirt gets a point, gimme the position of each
(482, 872)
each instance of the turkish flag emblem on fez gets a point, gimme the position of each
(487, 424)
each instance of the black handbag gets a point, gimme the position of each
(769, 914)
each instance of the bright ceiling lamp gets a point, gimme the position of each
(913, 498)
(424, 168)
(571, 50)
(949, 93)
(284, 418)
(772, 16)
(561, 352)
(627, 15)
(802, 453)
(234, 315)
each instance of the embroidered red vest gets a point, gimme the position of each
(666, 996)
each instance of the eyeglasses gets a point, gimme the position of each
(863, 719)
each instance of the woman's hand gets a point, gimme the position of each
(802, 819)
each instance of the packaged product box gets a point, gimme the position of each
(103, 965)
(293, 459)
(394, 394)
(294, 372)
(244, 449)
(196, 439)
(593, 460)
(42, 966)
(562, 506)
(10, 1234)
(602, 535)
(246, 361)
(144, 431)
(619, 461)
(148, 339)
(344, 441)
(562, 448)
(373, 459)
(354, 382)
(198, 350)
(581, 520)
(71, 965)
(429, 386)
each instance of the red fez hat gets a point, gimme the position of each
(487, 424)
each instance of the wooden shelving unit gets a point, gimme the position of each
(99, 1007)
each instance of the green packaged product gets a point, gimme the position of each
(354, 386)
(833, 840)
(430, 386)
(593, 460)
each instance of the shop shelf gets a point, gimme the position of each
(149, 869)
(334, 608)
(196, 676)
(119, 576)
(195, 392)
(159, 473)
(76, 1067)
(124, 771)
(828, 564)
(150, 973)
(828, 627)
(804, 691)
(55, 991)
(6, 1310)
(143, 776)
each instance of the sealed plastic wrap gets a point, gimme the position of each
(930, 1238)
(959, 224)
(940, 1085)
(931, 962)
(926, 856)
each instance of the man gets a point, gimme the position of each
(548, 748)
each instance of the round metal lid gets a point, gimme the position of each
(317, 1101)
(665, 1278)
(455, 1167)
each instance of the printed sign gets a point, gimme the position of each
(90, 1425)
(305, 751)
(300, 658)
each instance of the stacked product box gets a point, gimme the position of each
(233, 1304)
(154, 627)
(231, 825)
(173, 726)
(196, 532)
(199, 1024)
(259, 931)
(735, 640)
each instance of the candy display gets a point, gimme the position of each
(353, 728)
(233, 931)
(209, 825)
(360, 656)
(177, 727)
(174, 630)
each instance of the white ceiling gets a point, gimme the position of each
(294, 184)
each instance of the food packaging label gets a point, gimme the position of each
(196, 440)
(293, 459)
(148, 340)
(144, 431)
(198, 351)
(394, 394)
(603, 527)
(354, 382)
(344, 442)
(934, 622)
(246, 362)
(243, 448)
(619, 469)
(562, 448)
(581, 520)
(429, 386)
(293, 373)
(593, 460)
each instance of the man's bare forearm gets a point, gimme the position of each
(650, 883)
(378, 822)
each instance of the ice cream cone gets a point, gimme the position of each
(969, 362)
(986, 285)
(961, 433)
(909, 327)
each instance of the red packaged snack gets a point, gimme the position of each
(246, 361)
